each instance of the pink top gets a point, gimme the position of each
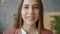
(17, 31)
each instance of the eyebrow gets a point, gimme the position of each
(25, 5)
(32, 5)
(35, 5)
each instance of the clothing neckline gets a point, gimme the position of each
(23, 31)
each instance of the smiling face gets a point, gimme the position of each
(30, 11)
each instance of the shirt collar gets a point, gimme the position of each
(23, 32)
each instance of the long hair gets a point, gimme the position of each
(39, 23)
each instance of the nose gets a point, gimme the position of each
(30, 10)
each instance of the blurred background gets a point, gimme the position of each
(9, 7)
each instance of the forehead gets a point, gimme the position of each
(30, 2)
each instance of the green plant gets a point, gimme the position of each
(56, 23)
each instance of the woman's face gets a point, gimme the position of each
(30, 11)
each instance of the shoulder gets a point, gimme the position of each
(11, 31)
(47, 31)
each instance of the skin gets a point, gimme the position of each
(30, 14)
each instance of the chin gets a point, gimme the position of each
(30, 22)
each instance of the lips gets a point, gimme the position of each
(30, 18)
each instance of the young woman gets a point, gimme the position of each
(29, 19)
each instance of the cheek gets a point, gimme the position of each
(37, 15)
(37, 12)
(23, 13)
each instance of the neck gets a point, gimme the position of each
(29, 28)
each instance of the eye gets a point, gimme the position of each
(36, 7)
(26, 7)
